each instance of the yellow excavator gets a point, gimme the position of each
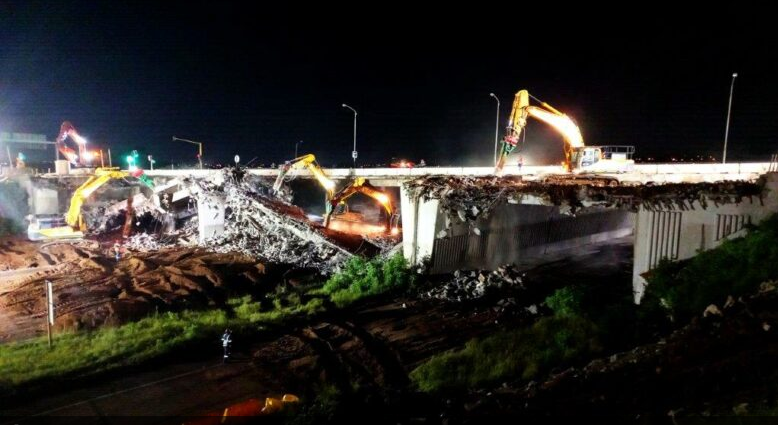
(578, 157)
(361, 185)
(305, 161)
(40, 227)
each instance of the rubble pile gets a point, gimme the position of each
(258, 225)
(468, 198)
(474, 284)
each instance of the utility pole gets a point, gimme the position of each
(199, 149)
(496, 127)
(354, 152)
(295, 147)
(110, 162)
(729, 112)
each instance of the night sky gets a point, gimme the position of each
(250, 80)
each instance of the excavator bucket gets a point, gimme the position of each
(64, 232)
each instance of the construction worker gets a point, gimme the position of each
(226, 342)
(117, 251)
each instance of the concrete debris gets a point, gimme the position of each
(474, 284)
(259, 225)
(468, 198)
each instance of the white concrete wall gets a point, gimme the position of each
(678, 235)
(210, 216)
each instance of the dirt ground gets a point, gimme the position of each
(92, 289)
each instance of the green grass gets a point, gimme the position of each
(508, 355)
(737, 267)
(362, 278)
(249, 311)
(107, 348)
(83, 353)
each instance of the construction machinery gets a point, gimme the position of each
(361, 185)
(578, 156)
(41, 227)
(305, 161)
(333, 200)
(66, 130)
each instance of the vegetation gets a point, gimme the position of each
(517, 354)
(362, 278)
(737, 267)
(248, 311)
(107, 348)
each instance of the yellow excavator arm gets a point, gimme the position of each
(73, 218)
(548, 114)
(361, 185)
(308, 161)
(102, 176)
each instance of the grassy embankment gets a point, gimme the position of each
(89, 352)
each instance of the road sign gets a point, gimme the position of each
(354, 154)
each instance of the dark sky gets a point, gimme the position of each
(250, 80)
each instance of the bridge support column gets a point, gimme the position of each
(419, 220)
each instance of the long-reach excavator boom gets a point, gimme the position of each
(308, 161)
(67, 130)
(578, 157)
(361, 185)
(548, 114)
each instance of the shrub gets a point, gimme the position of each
(361, 278)
(566, 301)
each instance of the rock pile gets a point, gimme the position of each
(475, 284)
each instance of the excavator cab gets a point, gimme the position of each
(614, 159)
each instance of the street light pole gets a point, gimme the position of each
(354, 152)
(199, 146)
(295, 147)
(729, 112)
(496, 127)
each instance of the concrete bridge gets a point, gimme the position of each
(642, 173)
(534, 226)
